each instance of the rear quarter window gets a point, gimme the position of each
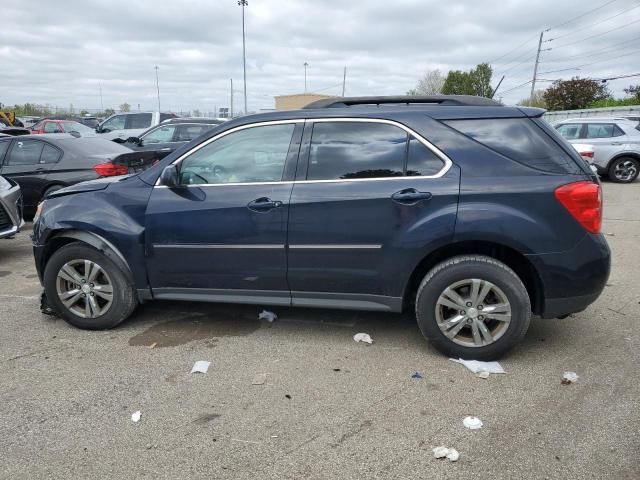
(519, 139)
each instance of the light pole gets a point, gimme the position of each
(158, 87)
(244, 3)
(305, 76)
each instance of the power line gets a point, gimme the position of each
(517, 65)
(597, 35)
(577, 67)
(593, 24)
(580, 16)
(513, 50)
(592, 52)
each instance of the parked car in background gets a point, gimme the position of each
(121, 126)
(615, 142)
(59, 126)
(472, 214)
(89, 121)
(171, 134)
(13, 131)
(42, 164)
(29, 121)
(10, 208)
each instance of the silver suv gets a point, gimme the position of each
(615, 142)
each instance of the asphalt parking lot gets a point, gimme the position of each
(330, 408)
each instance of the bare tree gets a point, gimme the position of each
(431, 83)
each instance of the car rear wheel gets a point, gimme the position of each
(624, 170)
(87, 289)
(473, 307)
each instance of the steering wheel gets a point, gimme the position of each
(220, 172)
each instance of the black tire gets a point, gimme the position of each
(631, 167)
(124, 299)
(461, 268)
(53, 188)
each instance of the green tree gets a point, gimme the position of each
(108, 112)
(574, 94)
(476, 81)
(412, 93)
(537, 101)
(125, 107)
(196, 113)
(634, 92)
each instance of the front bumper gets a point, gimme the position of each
(573, 279)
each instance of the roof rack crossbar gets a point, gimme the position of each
(445, 100)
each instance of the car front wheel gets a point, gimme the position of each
(473, 307)
(88, 289)
(624, 170)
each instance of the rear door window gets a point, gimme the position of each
(519, 139)
(422, 161)
(139, 120)
(570, 131)
(162, 134)
(347, 150)
(50, 154)
(4, 146)
(25, 152)
(187, 133)
(603, 130)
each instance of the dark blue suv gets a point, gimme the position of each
(474, 214)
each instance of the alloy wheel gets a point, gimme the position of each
(625, 170)
(84, 288)
(473, 312)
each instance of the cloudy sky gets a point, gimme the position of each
(61, 52)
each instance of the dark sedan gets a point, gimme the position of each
(171, 134)
(41, 164)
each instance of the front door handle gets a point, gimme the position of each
(410, 196)
(263, 204)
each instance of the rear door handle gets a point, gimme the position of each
(263, 204)
(410, 196)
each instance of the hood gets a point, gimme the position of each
(90, 186)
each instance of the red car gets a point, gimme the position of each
(59, 126)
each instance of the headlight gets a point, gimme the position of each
(38, 211)
(4, 184)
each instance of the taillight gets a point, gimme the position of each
(110, 169)
(586, 154)
(583, 200)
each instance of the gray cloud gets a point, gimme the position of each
(60, 53)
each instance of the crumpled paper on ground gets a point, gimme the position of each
(444, 452)
(363, 337)
(477, 366)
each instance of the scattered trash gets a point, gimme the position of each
(336, 370)
(416, 375)
(268, 316)
(153, 345)
(135, 417)
(244, 441)
(472, 423)
(477, 366)
(484, 374)
(259, 379)
(149, 446)
(610, 234)
(201, 366)
(274, 436)
(363, 337)
(569, 377)
(288, 396)
(444, 452)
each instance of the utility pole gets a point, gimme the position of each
(344, 79)
(535, 68)
(158, 87)
(243, 4)
(305, 76)
(231, 112)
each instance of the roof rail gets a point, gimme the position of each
(447, 100)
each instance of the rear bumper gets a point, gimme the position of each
(573, 279)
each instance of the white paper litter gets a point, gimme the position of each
(483, 375)
(450, 453)
(477, 366)
(363, 337)
(569, 377)
(259, 379)
(201, 366)
(135, 417)
(472, 423)
(268, 316)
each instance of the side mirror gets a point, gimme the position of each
(169, 176)
(135, 140)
